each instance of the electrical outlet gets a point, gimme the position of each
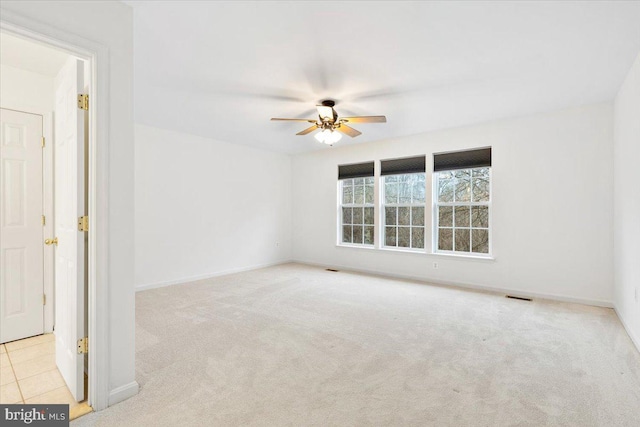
(435, 265)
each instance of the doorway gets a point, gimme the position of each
(21, 227)
(43, 315)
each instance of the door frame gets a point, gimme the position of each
(97, 56)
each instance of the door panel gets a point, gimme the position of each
(69, 206)
(21, 239)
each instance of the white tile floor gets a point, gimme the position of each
(28, 372)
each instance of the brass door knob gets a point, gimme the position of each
(51, 241)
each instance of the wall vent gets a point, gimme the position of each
(332, 270)
(520, 298)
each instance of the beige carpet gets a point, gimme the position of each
(297, 345)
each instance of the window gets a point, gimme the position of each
(356, 204)
(462, 202)
(403, 202)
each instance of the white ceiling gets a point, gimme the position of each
(222, 69)
(30, 56)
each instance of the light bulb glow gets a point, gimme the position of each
(327, 136)
(335, 136)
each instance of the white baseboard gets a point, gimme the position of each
(123, 392)
(634, 338)
(206, 276)
(472, 286)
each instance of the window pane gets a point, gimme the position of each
(358, 194)
(358, 181)
(403, 215)
(417, 237)
(480, 216)
(346, 234)
(481, 189)
(404, 191)
(368, 215)
(463, 186)
(481, 173)
(357, 216)
(480, 241)
(391, 193)
(459, 174)
(368, 194)
(404, 237)
(391, 178)
(445, 216)
(445, 239)
(368, 181)
(368, 235)
(390, 216)
(419, 190)
(462, 240)
(417, 215)
(346, 216)
(445, 190)
(357, 234)
(462, 216)
(390, 236)
(347, 195)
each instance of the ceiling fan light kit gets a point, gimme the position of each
(331, 126)
(328, 136)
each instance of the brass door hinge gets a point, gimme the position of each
(83, 101)
(44, 220)
(83, 223)
(83, 345)
(44, 299)
(43, 142)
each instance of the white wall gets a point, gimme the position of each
(627, 202)
(25, 90)
(552, 206)
(205, 207)
(109, 24)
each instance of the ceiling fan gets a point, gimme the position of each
(330, 124)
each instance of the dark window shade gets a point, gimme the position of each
(462, 160)
(402, 166)
(358, 170)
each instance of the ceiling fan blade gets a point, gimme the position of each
(326, 112)
(348, 130)
(294, 120)
(308, 130)
(365, 119)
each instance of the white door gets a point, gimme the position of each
(69, 206)
(21, 239)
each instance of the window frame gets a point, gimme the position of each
(363, 205)
(435, 217)
(410, 226)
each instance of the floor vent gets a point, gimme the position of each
(332, 270)
(520, 298)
